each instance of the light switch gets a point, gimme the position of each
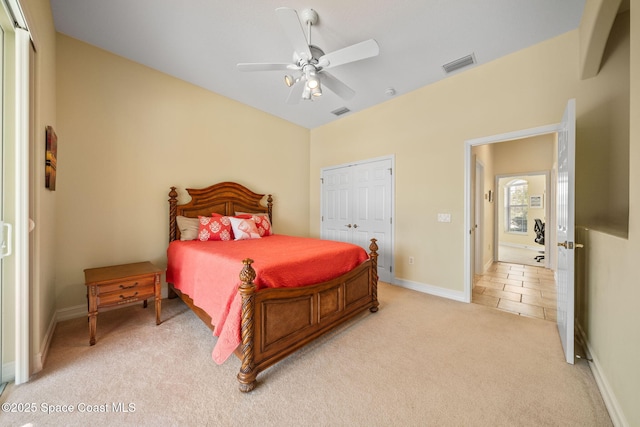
(444, 217)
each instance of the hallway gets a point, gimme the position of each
(521, 289)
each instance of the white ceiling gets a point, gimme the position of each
(201, 41)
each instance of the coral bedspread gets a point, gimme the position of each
(209, 273)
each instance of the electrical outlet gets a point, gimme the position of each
(410, 260)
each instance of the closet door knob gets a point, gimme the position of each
(348, 225)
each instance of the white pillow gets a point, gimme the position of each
(188, 227)
(244, 228)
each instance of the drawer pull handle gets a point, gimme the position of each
(129, 287)
(130, 296)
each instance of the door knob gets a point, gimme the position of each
(355, 225)
(348, 225)
(571, 245)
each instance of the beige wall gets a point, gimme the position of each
(426, 130)
(602, 146)
(127, 133)
(484, 153)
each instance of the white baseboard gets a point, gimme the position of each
(71, 313)
(615, 412)
(431, 290)
(38, 359)
(522, 246)
(487, 265)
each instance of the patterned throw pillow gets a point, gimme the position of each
(244, 228)
(216, 227)
(263, 225)
(262, 222)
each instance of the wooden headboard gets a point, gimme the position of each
(225, 198)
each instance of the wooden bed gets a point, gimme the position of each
(276, 322)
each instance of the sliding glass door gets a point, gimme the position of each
(4, 236)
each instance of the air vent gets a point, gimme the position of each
(340, 111)
(465, 61)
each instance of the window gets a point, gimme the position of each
(516, 207)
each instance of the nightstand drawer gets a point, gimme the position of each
(126, 285)
(126, 296)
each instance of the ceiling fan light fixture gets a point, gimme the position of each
(316, 91)
(313, 82)
(289, 80)
(306, 93)
(312, 79)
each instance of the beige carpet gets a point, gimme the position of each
(421, 360)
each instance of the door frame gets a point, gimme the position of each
(469, 171)
(478, 216)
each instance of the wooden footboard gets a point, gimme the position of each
(276, 322)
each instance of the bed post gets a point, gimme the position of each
(173, 209)
(270, 207)
(373, 247)
(247, 374)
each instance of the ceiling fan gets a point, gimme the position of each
(308, 70)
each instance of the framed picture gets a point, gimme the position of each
(535, 202)
(50, 163)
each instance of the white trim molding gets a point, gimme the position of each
(431, 290)
(613, 407)
(22, 46)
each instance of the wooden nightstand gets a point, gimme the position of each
(120, 285)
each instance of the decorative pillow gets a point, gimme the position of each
(244, 228)
(262, 222)
(188, 227)
(215, 227)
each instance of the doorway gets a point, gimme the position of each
(521, 211)
(484, 148)
(514, 196)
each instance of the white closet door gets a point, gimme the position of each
(357, 206)
(336, 205)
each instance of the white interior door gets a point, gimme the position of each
(357, 206)
(565, 211)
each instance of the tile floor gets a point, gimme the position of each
(521, 289)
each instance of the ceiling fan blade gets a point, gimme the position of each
(295, 93)
(336, 86)
(264, 67)
(356, 52)
(292, 27)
